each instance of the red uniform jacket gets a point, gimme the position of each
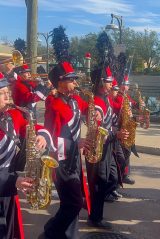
(119, 100)
(108, 109)
(12, 127)
(23, 93)
(63, 121)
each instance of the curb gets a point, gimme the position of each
(148, 150)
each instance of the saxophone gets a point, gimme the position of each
(95, 133)
(39, 169)
(144, 113)
(127, 123)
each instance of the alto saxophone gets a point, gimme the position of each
(95, 133)
(144, 113)
(39, 169)
(127, 122)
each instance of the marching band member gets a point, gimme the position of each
(26, 92)
(102, 177)
(12, 130)
(63, 119)
(122, 151)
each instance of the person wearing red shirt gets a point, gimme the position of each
(25, 91)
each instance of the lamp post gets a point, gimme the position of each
(112, 26)
(46, 37)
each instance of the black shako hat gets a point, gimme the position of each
(61, 72)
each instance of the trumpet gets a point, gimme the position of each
(17, 60)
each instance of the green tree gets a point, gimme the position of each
(144, 47)
(148, 45)
(80, 46)
(60, 44)
(20, 45)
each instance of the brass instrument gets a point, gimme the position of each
(144, 113)
(127, 123)
(17, 58)
(15, 61)
(39, 169)
(39, 75)
(95, 133)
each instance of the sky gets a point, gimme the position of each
(79, 17)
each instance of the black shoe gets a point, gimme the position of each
(110, 198)
(116, 194)
(99, 224)
(128, 180)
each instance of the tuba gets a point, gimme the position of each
(127, 123)
(38, 168)
(95, 133)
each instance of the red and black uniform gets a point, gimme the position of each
(102, 176)
(63, 119)
(12, 129)
(27, 93)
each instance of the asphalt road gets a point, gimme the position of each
(136, 215)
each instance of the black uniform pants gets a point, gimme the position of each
(120, 157)
(102, 179)
(64, 224)
(97, 192)
(9, 225)
(112, 181)
(123, 158)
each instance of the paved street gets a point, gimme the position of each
(135, 215)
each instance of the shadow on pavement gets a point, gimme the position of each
(141, 193)
(151, 172)
(136, 215)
